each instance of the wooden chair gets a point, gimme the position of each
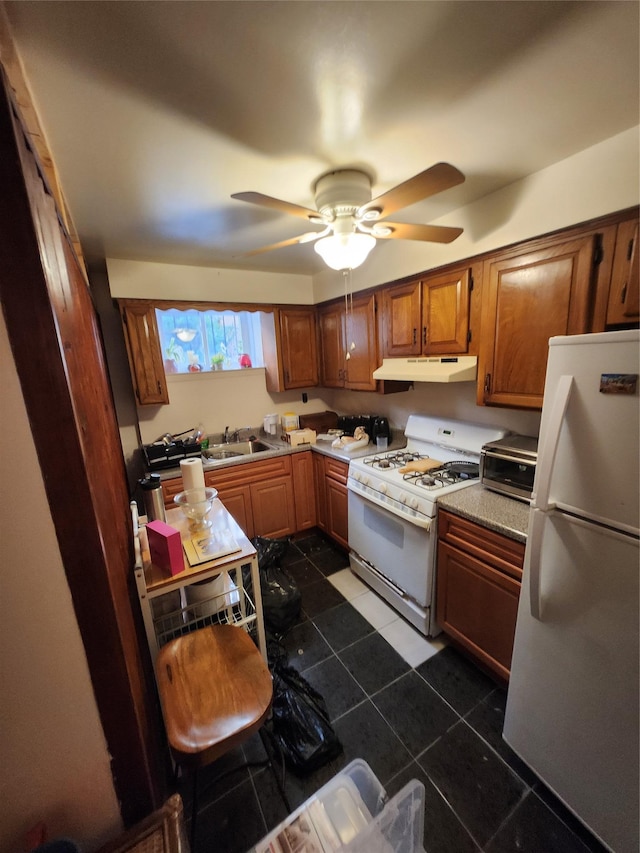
(215, 690)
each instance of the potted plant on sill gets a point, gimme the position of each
(175, 354)
(217, 361)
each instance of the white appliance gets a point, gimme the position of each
(572, 706)
(392, 514)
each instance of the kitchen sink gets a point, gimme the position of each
(219, 452)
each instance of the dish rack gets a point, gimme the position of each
(225, 591)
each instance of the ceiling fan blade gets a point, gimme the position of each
(277, 204)
(434, 180)
(309, 237)
(429, 233)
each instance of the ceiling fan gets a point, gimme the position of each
(353, 221)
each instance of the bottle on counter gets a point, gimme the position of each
(153, 498)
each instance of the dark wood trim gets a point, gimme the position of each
(57, 345)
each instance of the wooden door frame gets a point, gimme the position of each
(87, 494)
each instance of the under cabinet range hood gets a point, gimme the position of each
(446, 368)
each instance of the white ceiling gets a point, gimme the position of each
(157, 111)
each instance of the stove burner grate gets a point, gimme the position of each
(448, 474)
(463, 470)
(395, 459)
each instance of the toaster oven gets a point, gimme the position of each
(508, 466)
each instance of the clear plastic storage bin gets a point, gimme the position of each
(353, 813)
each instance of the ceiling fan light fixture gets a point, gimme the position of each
(185, 335)
(345, 251)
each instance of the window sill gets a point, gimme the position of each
(200, 374)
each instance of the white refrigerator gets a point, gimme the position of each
(572, 705)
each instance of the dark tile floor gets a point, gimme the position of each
(440, 723)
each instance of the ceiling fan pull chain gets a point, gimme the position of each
(345, 275)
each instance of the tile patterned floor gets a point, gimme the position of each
(412, 709)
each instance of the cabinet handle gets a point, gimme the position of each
(487, 383)
(424, 335)
(159, 387)
(415, 335)
(623, 295)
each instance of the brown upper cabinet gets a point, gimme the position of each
(144, 353)
(528, 298)
(624, 293)
(348, 344)
(429, 316)
(289, 346)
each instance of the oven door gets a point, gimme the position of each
(400, 551)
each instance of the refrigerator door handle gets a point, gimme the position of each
(534, 551)
(547, 453)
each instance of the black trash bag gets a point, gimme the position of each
(281, 598)
(270, 551)
(300, 723)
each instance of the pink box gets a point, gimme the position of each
(165, 547)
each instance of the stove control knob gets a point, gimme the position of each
(383, 488)
(413, 503)
(364, 480)
(402, 498)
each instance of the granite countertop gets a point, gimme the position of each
(497, 512)
(283, 448)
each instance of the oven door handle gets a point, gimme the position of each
(369, 495)
(506, 457)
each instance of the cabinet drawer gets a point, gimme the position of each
(170, 488)
(336, 469)
(251, 472)
(499, 551)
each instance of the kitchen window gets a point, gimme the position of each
(195, 340)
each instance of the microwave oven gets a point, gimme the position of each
(508, 466)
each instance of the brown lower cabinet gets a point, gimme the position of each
(304, 489)
(275, 497)
(336, 500)
(478, 582)
(259, 496)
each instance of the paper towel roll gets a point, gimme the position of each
(193, 477)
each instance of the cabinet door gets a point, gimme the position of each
(272, 504)
(445, 315)
(237, 500)
(401, 318)
(304, 492)
(477, 606)
(337, 511)
(336, 500)
(298, 342)
(624, 293)
(143, 349)
(526, 300)
(321, 491)
(332, 353)
(361, 344)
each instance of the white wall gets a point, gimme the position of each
(142, 280)
(455, 400)
(54, 760)
(234, 398)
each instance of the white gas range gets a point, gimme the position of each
(392, 510)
